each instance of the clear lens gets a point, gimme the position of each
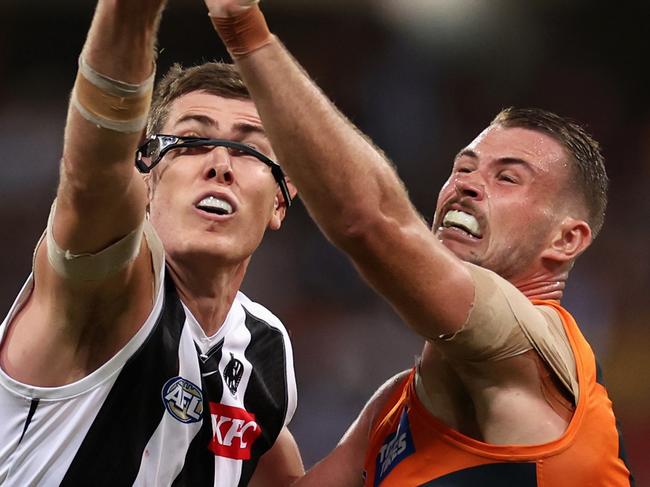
(155, 149)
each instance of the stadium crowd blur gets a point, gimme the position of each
(422, 77)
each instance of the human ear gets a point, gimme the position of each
(280, 206)
(149, 181)
(572, 237)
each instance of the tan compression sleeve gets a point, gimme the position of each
(503, 323)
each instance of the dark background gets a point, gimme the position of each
(422, 78)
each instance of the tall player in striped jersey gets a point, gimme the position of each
(117, 369)
(506, 391)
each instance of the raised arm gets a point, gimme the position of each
(100, 197)
(281, 466)
(343, 466)
(89, 295)
(349, 187)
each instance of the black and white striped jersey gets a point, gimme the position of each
(173, 407)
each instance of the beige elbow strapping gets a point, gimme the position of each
(493, 329)
(92, 267)
(109, 103)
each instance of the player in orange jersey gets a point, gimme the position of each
(507, 390)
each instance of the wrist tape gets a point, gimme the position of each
(243, 33)
(109, 103)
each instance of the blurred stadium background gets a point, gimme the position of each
(422, 77)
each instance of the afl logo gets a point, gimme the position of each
(183, 400)
(232, 374)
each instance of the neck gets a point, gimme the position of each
(545, 284)
(208, 290)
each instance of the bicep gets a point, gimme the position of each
(340, 468)
(504, 323)
(354, 194)
(113, 286)
(344, 466)
(62, 267)
(427, 285)
(91, 216)
(281, 465)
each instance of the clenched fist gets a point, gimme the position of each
(228, 8)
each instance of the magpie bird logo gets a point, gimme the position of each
(233, 373)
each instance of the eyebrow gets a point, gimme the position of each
(200, 119)
(466, 153)
(242, 128)
(249, 128)
(506, 161)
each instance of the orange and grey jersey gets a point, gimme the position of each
(408, 446)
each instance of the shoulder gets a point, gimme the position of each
(270, 348)
(381, 399)
(389, 387)
(266, 330)
(260, 313)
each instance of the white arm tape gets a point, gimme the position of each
(113, 86)
(126, 127)
(92, 267)
(109, 103)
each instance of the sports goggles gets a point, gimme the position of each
(156, 146)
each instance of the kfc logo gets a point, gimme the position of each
(234, 430)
